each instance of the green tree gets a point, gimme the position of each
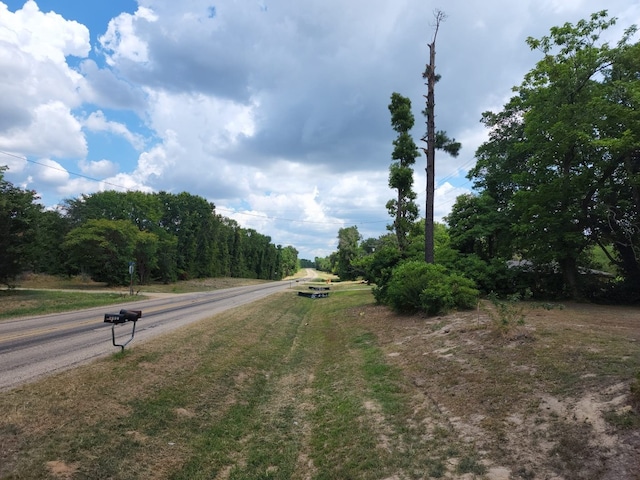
(348, 250)
(45, 250)
(559, 144)
(618, 221)
(103, 249)
(142, 209)
(477, 227)
(146, 255)
(288, 261)
(19, 214)
(187, 239)
(190, 219)
(323, 264)
(403, 208)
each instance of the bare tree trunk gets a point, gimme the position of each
(430, 138)
(431, 154)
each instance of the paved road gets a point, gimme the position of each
(36, 346)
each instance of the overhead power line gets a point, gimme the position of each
(63, 170)
(222, 209)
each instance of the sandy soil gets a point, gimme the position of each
(534, 402)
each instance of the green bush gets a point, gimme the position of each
(465, 293)
(405, 287)
(417, 286)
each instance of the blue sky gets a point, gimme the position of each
(274, 110)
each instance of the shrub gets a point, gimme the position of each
(377, 269)
(418, 286)
(465, 293)
(406, 284)
(508, 313)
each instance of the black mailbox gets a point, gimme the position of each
(131, 315)
(123, 316)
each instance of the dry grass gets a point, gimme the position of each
(41, 294)
(535, 402)
(294, 388)
(20, 303)
(42, 281)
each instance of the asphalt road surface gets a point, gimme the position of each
(36, 346)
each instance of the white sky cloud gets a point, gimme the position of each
(50, 172)
(97, 122)
(53, 131)
(98, 168)
(122, 40)
(275, 111)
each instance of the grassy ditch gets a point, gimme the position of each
(41, 294)
(20, 303)
(336, 388)
(80, 283)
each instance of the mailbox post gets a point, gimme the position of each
(131, 268)
(119, 318)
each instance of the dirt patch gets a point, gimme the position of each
(535, 403)
(61, 470)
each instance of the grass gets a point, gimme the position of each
(288, 387)
(80, 283)
(20, 303)
(335, 388)
(41, 294)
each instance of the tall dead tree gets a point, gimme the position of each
(434, 140)
(430, 139)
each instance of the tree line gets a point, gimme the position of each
(165, 236)
(555, 210)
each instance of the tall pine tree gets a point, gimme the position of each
(403, 208)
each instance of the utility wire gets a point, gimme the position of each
(222, 209)
(63, 170)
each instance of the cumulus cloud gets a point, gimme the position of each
(98, 168)
(275, 111)
(104, 87)
(50, 172)
(202, 121)
(39, 89)
(97, 122)
(53, 131)
(45, 36)
(122, 41)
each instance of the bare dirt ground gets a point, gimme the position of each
(551, 400)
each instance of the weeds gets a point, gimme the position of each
(470, 464)
(625, 420)
(573, 455)
(635, 391)
(507, 314)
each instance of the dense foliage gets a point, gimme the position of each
(419, 286)
(560, 173)
(403, 208)
(166, 236)
(556, 208)
(18, 216)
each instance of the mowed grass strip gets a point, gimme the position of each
(287, 387)
(20, 303)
